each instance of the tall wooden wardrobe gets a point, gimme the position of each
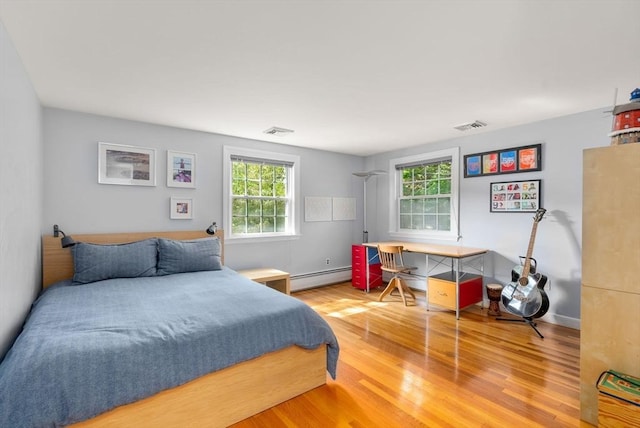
(610, 297)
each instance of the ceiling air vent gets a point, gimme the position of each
(471, 125)
(274, 130)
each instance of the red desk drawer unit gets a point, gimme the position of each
(363, 260)
(442, 290)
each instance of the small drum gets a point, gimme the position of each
(494, 292)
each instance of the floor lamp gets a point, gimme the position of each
(366, 175)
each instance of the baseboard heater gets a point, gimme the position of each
(304, 281)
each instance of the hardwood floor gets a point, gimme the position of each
(408, 367)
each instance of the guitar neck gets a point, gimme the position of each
(527, 262)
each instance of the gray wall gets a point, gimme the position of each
(20, 192)
(558, 242)
(64, 191)
(75, 201)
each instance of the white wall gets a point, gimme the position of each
(78, 204)
(558, 243)
(20, 192)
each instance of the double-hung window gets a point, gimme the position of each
(424, 195)
(259, 193)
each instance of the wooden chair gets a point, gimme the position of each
(391, 261)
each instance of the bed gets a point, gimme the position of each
(199, 372)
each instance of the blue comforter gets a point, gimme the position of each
(86, 349)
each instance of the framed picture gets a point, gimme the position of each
(529, 159)
(126, 165)
(472, 165)
(181, 208)
(506, 161)
(181, 169)
(515, 196)
(490, 163)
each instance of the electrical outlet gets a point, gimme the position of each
(328, 261)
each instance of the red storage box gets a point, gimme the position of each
(442, 289)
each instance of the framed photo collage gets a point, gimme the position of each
(509, 196)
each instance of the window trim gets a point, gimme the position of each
(229, 152)
(395, 186)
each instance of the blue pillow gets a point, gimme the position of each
(95, 262)
(188, 256)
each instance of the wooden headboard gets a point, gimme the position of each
(57, 262)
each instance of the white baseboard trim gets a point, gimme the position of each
(562, 320)
(317, 279)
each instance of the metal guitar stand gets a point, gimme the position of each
(528, 320)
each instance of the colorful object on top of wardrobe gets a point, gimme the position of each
(626, 121)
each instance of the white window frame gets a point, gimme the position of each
(293, 216)
(395, 189)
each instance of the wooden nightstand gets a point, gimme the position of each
(273, 278)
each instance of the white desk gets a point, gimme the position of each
(454, 252)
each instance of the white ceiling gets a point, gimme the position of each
(357, 77)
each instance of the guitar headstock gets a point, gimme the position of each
(539, 214)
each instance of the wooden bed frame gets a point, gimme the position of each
(217, 399)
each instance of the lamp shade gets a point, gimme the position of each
(67, 241)
(211, 230)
